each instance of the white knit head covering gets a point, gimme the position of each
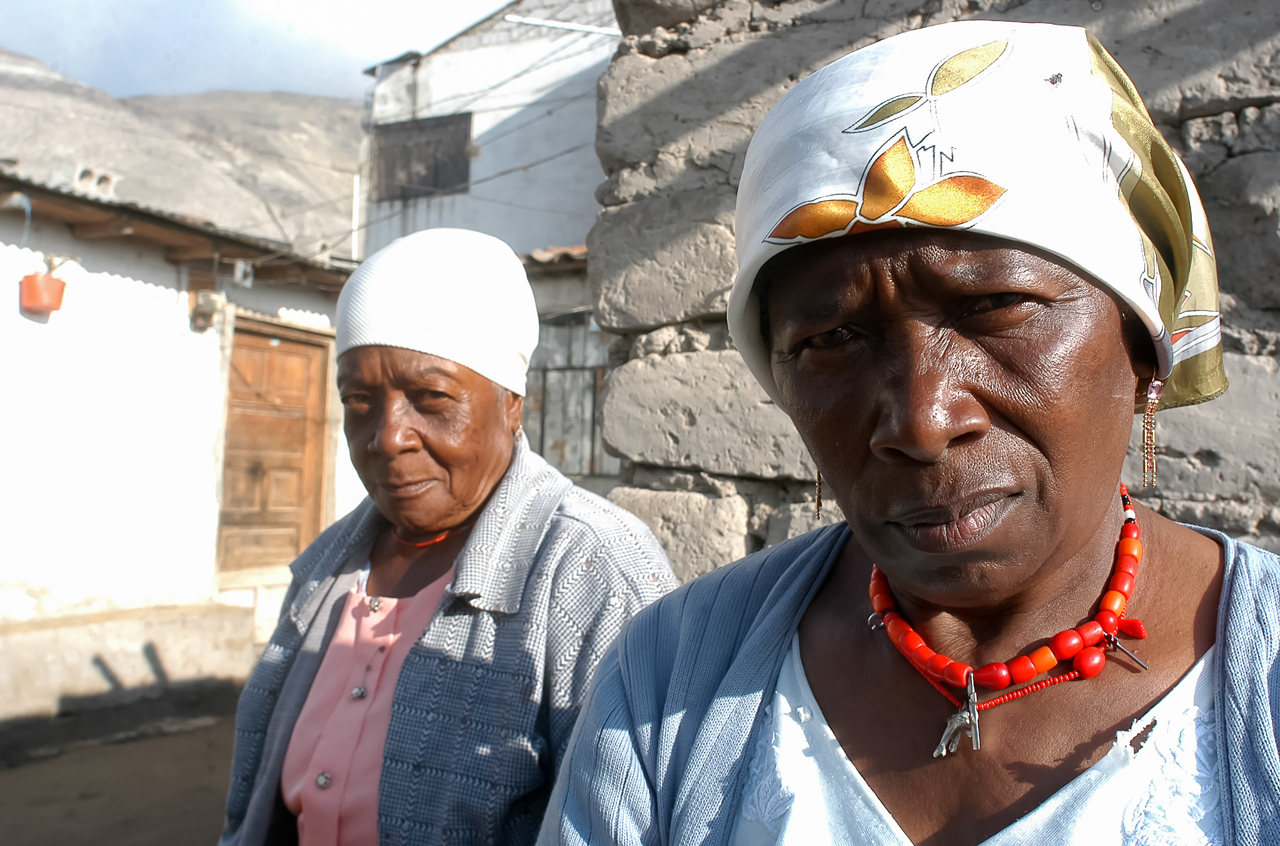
(1027, 132)
(452, 293)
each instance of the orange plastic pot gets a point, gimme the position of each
(41, 293)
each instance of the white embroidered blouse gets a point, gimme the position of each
(802, 790)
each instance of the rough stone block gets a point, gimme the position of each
(796, 519)
(1188, 59)
(1206, 142)
(664, 259)
(1225, 448)
(687, 337)
(701, 411)
(695, 105)
(1259, 130)
(1242, 198)
(699, 533)
(1246, 330)
(638, 16)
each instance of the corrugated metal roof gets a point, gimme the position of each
(279, 250)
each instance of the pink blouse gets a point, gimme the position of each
(334, 761)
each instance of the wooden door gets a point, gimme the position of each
(273, 476)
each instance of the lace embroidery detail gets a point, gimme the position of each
(765, 799)
(1181, 806)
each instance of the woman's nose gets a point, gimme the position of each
(928, 406)
(395, 435)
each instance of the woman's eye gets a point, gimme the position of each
(995, 302)
(830, 340)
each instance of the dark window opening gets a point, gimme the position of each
(421, 158)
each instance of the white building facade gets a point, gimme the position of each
(494, 130)
(152, 492)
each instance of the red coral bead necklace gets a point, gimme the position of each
(445, 535)
(1080, 645)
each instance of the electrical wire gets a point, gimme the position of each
(474, 96)
(489, 139)
(530, 208)
(536, 65)
(344, 235)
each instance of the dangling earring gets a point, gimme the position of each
(1149, 434)
(817, 508)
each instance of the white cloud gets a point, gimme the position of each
(376, 29)
(131, 47)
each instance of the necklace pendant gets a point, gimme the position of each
(375, 602)
(963, 723)
(957, 727)
(1116, 644)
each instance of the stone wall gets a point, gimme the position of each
(718, 470)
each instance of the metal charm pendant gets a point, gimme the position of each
(1116, 644)
(962, 723)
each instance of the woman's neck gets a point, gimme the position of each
(1057, 593)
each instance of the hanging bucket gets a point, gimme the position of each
(41, 293)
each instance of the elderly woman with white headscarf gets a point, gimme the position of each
(965, 256)
(436, 643)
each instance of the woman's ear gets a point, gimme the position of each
(1142, 354)
(512, 409)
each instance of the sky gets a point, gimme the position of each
(133, 47)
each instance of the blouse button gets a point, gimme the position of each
(323, 780)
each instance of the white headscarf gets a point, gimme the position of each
(1028, 132)
(452, 293)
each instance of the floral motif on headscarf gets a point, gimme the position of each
(1027, 132)
(891, 196)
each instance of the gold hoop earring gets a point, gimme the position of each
(1149, 434)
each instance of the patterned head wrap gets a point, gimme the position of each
(1028, 132)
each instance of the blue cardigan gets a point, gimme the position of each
(660, 751)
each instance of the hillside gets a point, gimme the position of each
(273, 165)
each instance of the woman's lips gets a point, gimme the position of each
(949, 528)
(406, 490)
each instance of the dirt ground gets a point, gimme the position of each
(167, 789)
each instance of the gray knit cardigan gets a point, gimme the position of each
(661, 749)
(487, 697)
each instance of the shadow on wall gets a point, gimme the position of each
(119, 715)
(704, 111)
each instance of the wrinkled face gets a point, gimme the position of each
(429, 438)
(968, 402)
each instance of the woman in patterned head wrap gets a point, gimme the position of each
(966, 257)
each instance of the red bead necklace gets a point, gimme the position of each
(1078, 645)
(445, 535)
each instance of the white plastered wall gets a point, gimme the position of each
(113, 413)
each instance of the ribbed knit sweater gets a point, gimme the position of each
(663, 742)
(487, 696)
